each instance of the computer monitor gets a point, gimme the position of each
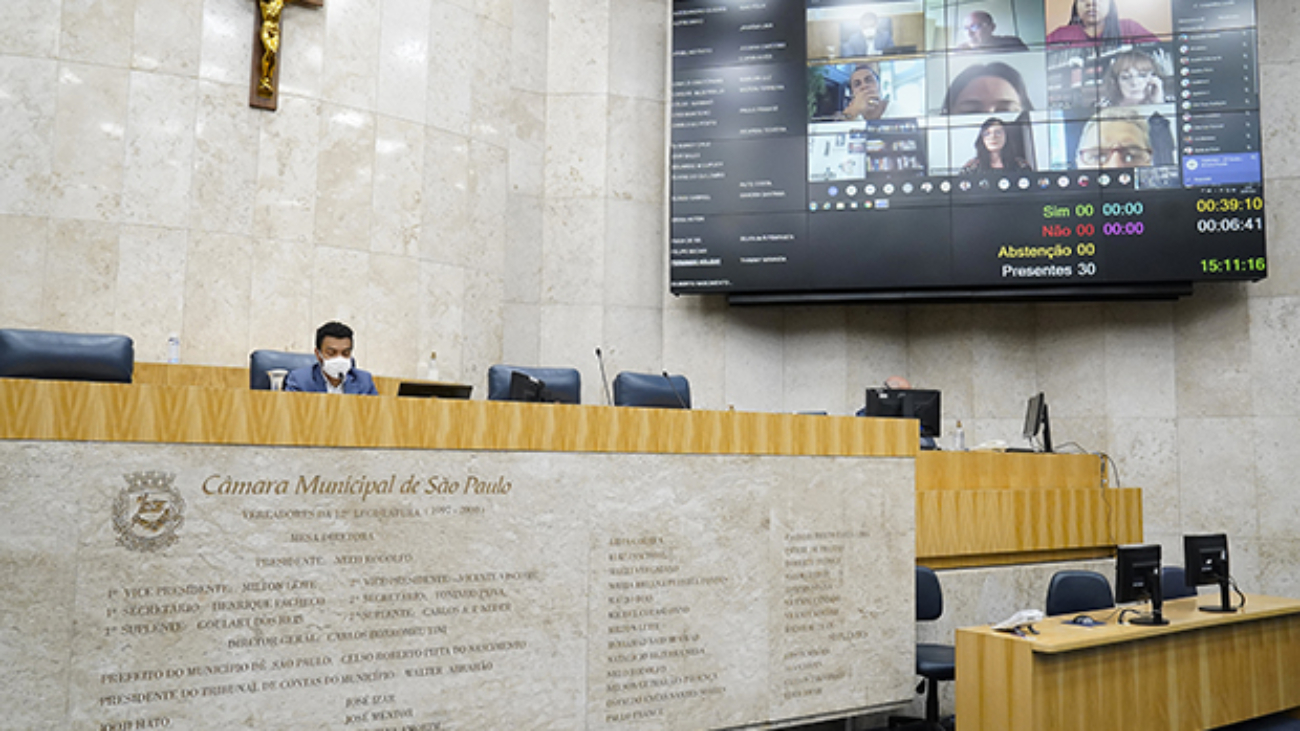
(1205, 561)
(1036, 421)
(906, 403)
(1137, 577)
(524, 387)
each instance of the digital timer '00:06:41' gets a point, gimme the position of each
(1248, 265)
(1229, 225)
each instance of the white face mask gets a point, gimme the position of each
(336, 367)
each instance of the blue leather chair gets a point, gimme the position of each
(563, 384)
(652, 390)
(261, 361)
(66, 356)
(1074, 591)
(1173, 583)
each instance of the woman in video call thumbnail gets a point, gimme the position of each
(1094, 21)
(987, 88)
(995, 149)
(1133, 78)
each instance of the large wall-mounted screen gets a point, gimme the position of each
(845, 149)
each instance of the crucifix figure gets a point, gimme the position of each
(265, 90)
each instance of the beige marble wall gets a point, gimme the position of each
(487, 178)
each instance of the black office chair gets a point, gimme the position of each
(563, 385)
(261, 361)
(66, 356)
(934, 662)
(1173, 583)
(1074, 591)
(654, 390)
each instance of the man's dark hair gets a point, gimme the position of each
(332, 330)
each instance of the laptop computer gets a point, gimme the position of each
(427, 389)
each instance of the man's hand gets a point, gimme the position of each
(866, 105)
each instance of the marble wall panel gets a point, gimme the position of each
(150, 289)
(639, 37)
(941, 355)
(694, 333)
(501, 12)
(287, 171)
(1280, 119)
(521, 338)
(336, 292)
(32, 29)
(1002, 352)
(218, 282)
(1146, 452)
(1278, 559)
(27, 119)
(522, 259)
(80, 276)
(1283, 231)
(633, 341)
(490, 121)
(350, 72)
(635, 254)
(577, 139)
(1217, 475)
(392, 333)
(223, 187)
(227, 44)
(1211, 332)
(814, 352)
(446, 210)
(24, 244)
(443, 321)
(1139, 361)
(1071, 358)
(876, 348)
(754, 347)
(529, 33)
(489, 186)
(159, 150)
(482, 324)
(89, 127)
(527, 147)
(404, 59)
(97, 32)
(570, 335)
(451, 68)
(398, 187)
(302, 71)
(345, 178)
(1274, 351)
(635, 150)
(1277, 464)
(280, 296)
(573, 251)
(168, 36)
(579, 58)
(1279, 28)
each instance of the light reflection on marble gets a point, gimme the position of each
(351, 61)
(345, 186)
(88, 142)
(404, 59)
(227, 42)
(303, 42)
(168, 36)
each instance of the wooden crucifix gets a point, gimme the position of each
(264, 92)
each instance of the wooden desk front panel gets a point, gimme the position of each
(1006, 471)
(1211, 671)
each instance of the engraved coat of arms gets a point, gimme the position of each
(148, 512)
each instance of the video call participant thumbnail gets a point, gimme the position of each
(978, 34)
(1135, 78)
(334, 371)
(873, 36)
(997, 148)
(988, 88)
(1100, 21)
(1123, 138)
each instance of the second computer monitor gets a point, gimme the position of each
(906, 403)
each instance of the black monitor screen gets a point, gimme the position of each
(911, 403)
(524, 387)
(945, 149)
(1206, 558)
(1137, 571)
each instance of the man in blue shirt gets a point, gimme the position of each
(334, 371)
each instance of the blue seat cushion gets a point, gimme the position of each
(66, 356)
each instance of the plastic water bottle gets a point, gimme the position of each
(173, 348)
(959, 439)
(431, 372)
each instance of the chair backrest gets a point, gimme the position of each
(66, 356)
(1078, 591)
(261, 361)
(564, 384)
(653, 390)
(929, 595)
(1173, 583)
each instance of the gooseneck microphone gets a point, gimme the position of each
(681, 401)
(604, 378)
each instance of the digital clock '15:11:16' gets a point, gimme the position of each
(1233, 265)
